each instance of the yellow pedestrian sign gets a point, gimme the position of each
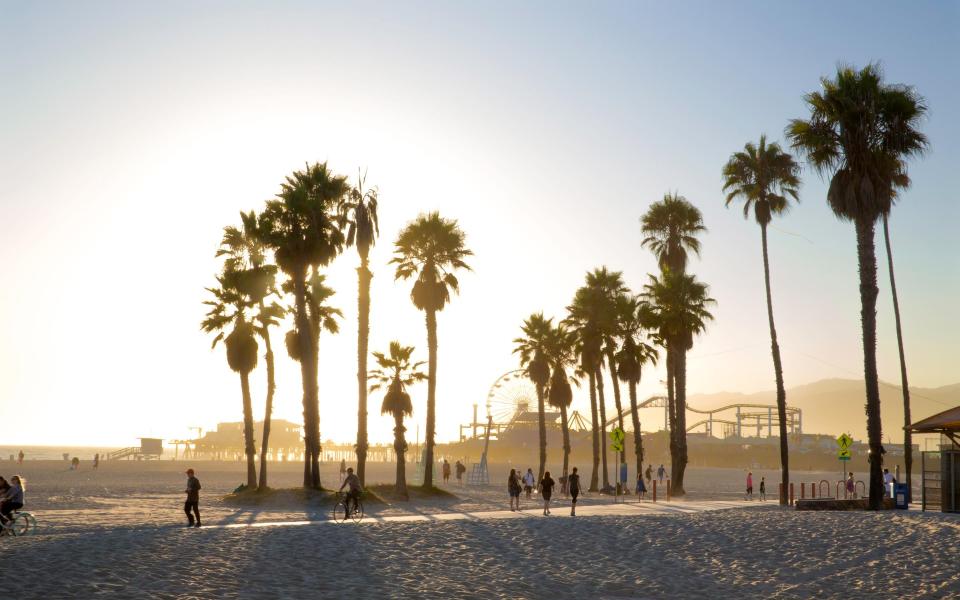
(616, 439)
(844, 441)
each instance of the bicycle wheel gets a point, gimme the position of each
(340, 512)
(21, 524)
(357, 514)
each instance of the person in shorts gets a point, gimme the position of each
(513, 488)
(749, 495)
(528, 482)
(573, 483)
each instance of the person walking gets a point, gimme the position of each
(528, 482)
(888, 482)
(763, 489)
(660, 473)
(461, 469)
(749, 495)
(20, 458)
(96, 461)
(573, 483)
(649, 473)
(192, 505)
(851, 487)
(546, 491)
(641, 489)
(446, 471)
(513, 488)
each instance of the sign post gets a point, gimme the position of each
(616, 444)
(843, 454)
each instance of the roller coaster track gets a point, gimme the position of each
(762, 415)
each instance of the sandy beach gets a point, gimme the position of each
(119, 532)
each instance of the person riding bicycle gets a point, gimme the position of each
(354, 493)
(12, 499)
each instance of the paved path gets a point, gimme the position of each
(560, 512)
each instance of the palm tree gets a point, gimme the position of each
(228, 308)
(533, 358)
(303, 228)
(765, 177)
(561, 353)
(396, 372)
(611, 287)
(584, 319)
(636, 317)
(904, 385)
(670, 227)
(860, 132)
(363, 230)
(678, 303)
(431, 248)
(245, 253)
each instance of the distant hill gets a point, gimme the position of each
(835, 405)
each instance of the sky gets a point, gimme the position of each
(132, 133)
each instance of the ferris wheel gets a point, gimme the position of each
(510, 395)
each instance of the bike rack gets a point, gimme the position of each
(820, 492)
(863, 486)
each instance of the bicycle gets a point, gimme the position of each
(340, 510)
(22, 523)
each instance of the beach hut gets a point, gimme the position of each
(940, 487)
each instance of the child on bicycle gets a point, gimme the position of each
(12, 499)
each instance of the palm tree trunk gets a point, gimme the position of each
(400, 449)
(566, 440)
(634, 413)
(778, 374)
(315, 458)
(268, 411)
(672, 407)
(907, 435)
(248, 445)
(867, 258)
(596, 432)
(680, 380)
(308, 378)
(603, 427)
(543, 431)
(612, 364)
(363, 335)
(431, 398)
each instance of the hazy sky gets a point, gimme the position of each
(131, 133)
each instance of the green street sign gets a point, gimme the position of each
(843, 454)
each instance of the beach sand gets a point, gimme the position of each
(119, 532)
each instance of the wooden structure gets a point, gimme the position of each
(940, 483)
(149, 449)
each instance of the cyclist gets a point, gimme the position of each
(354, 493)
(12, 499)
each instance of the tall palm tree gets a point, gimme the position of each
(303, 227)
(431, 248)
(904, 384)
(533, 348)
(765, 177)
(679, 306)
(584, 319)
(861, 131)
(228, 309)
(245, 253)
(670, 227)
(363, 228)
(396, 372)
(636, 317)
(611, 287)
(561, 353)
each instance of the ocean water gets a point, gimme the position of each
(84, 453)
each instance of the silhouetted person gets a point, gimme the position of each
(12, 499)
(461, 469)
(660, 473)
(546, 491)
(446, 471)
(851, 487)
(513, 488)
(96, 460)
(649, 473)
(193, 500)
(763, 489)
(749, 495)
(353, 493)
(641, 489)
(573, 483)
(528, 482)
(20, 458)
